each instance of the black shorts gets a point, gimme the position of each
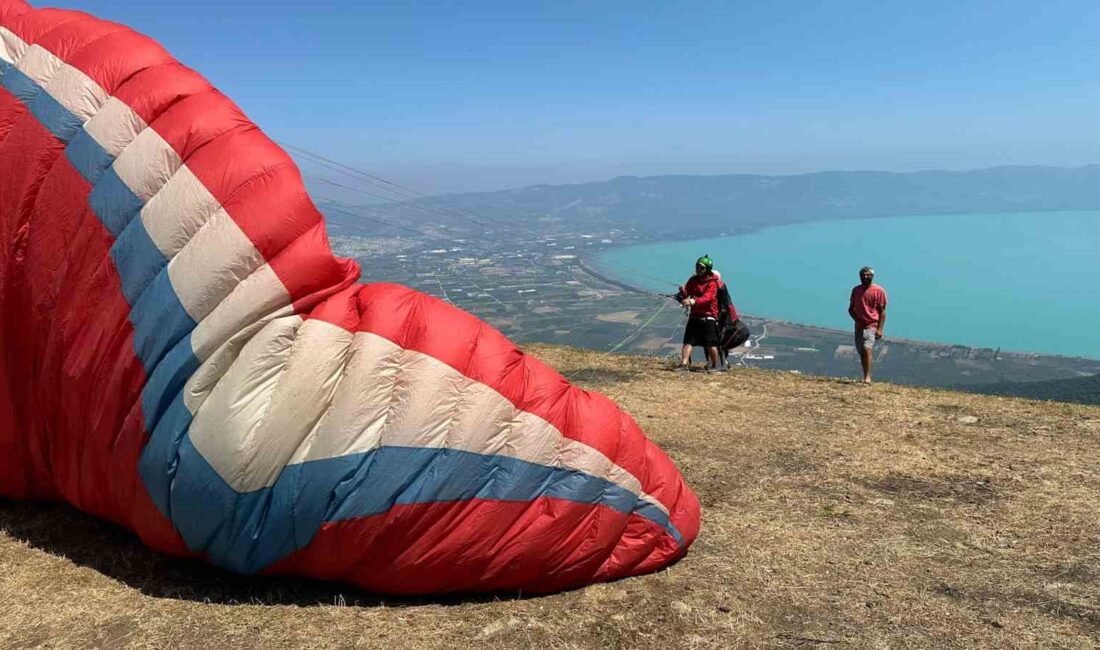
(701, 332)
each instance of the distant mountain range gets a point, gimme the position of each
(738, 202)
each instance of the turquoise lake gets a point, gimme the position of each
(1024, 282)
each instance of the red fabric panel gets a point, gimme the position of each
(151, 91)
(71, 33)
(87, 376)
(71, 380)
(12, 477)
(75, 383)
(258, 185)
(11, 9)
(341, 309)
(192, 123)
(310, 272)
(26, 154)
(113, 55)
(32, 25)
(11, 109)
(476, 545)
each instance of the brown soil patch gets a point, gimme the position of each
(835, 515)
(618, 317)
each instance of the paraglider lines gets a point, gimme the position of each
(406, 196)
(638, 331)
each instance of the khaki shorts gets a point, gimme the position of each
(866, 338)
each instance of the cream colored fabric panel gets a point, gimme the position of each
(146, 164)
(175, 213)
(489, 424)
(215, 366)
(114, 126)
(208, 268)
(39, 64)
(306, 388)
(404, 398)
(223, 430)
(427, 400)
(12, 47)
(76, 92)
(253, 457)
(360, 407)
(257, 296)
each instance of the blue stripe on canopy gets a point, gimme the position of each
(249, 531)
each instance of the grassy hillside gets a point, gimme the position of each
(835, 515)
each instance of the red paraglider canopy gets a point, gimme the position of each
(181, 353)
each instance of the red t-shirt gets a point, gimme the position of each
(866, 303)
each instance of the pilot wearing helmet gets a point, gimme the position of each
(699, 296)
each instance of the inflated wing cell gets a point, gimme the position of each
(182, 354)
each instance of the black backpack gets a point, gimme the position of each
(731, 335)
(724, 303)
(734, 335)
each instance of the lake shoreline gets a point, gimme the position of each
(603, 264)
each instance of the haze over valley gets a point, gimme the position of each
(528, 260)
(683, 207)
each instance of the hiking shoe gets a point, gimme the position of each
(682, 368)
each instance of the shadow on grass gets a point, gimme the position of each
(60, 530)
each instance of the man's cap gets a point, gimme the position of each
(705, 262)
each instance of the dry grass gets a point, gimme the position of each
(834, 515)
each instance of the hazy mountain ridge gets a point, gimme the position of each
(743, 201)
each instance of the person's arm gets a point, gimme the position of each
(852, 308)
(881, 330)
(685, 299)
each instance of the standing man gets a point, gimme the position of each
(867, 308)
(700, 297)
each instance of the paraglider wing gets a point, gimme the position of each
(181, 353)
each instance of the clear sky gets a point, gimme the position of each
(450, 96)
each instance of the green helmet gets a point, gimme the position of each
(705, 262)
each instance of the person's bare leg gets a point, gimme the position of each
(712, 354)
(867, 362)
(685, 355)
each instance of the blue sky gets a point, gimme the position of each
(450, 96)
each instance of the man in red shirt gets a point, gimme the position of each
(700, 296)
(867, 307)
